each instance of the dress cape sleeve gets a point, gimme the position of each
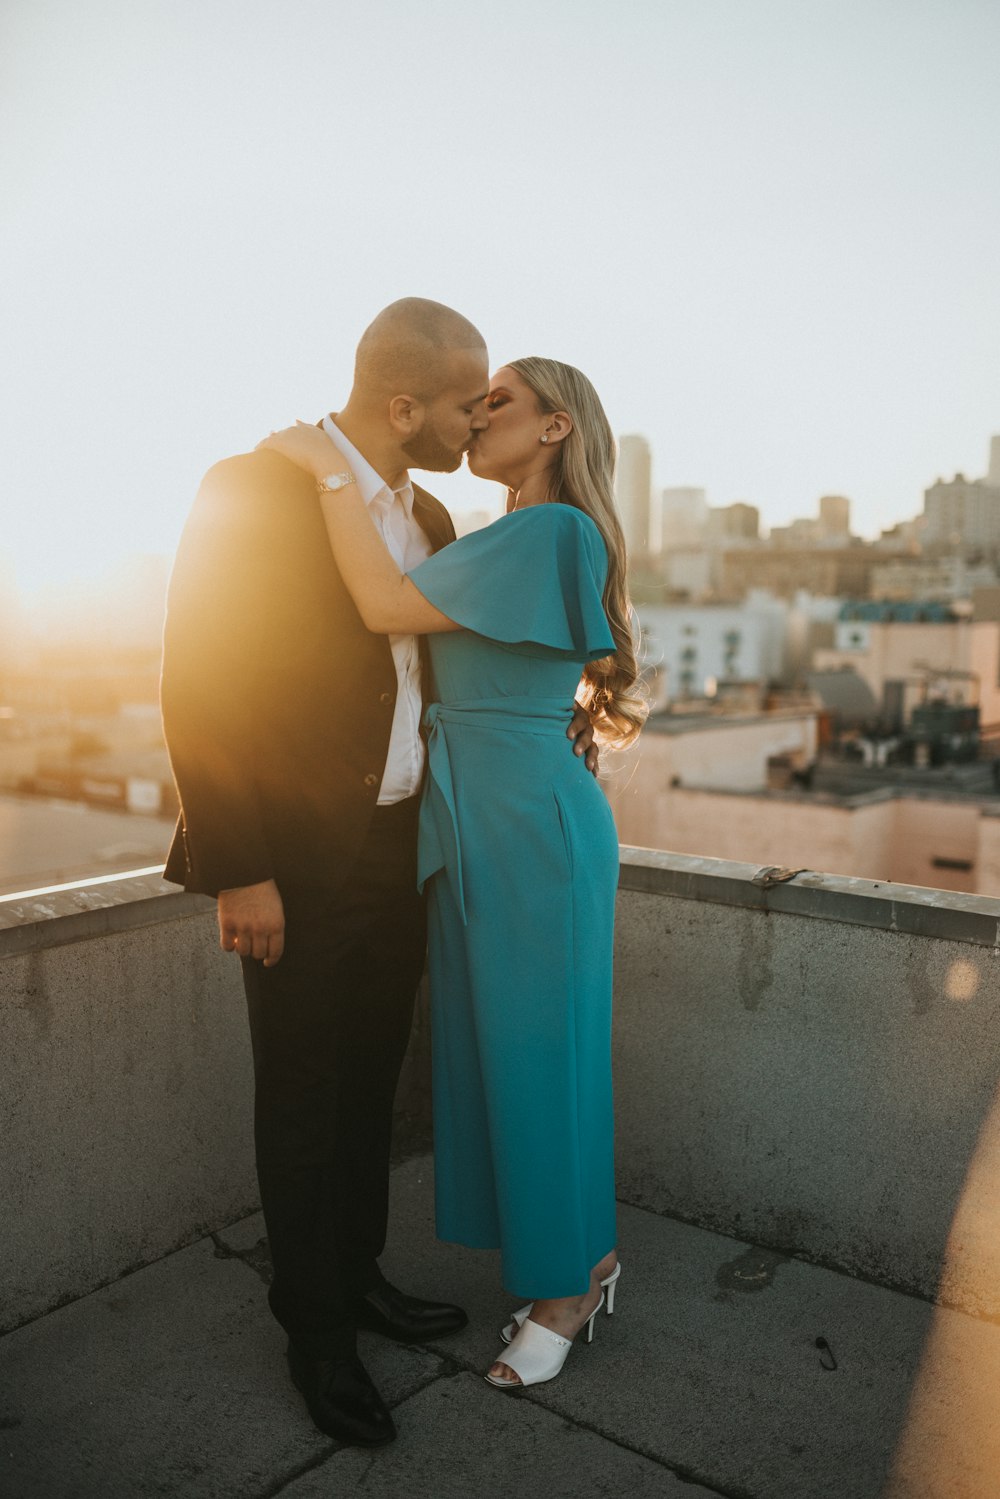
(535, 577)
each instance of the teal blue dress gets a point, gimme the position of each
(519, 857)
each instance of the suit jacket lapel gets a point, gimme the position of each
(432, 518)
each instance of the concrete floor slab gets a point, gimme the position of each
(710, 1364)
(244, 1236)
(460, 1438)
(173, 1381)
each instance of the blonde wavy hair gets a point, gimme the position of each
(583, 476)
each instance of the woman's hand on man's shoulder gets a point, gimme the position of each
(307, 447)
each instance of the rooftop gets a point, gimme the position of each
(905, 611)
(50, 840)
(724, 717)
(808, 1145)
(970, 780)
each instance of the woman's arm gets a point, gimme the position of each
(387, 601)
(389, 604)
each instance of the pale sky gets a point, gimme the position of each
(767, 229)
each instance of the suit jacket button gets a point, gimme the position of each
(385, 697)
(371, 780)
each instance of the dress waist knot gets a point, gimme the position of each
(440, 845)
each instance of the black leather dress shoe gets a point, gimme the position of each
(341, 1398)
(407, 1318)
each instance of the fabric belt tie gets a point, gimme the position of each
(440, 845)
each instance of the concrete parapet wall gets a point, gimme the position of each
(126, 1086)
(126, 1094)
(814, 1067)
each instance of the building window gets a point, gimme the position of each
(732, 639)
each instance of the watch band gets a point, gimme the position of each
(333, 482)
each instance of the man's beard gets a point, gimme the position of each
(427, 451)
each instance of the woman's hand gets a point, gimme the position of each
(308, 448)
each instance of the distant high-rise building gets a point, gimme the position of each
(834, 515)
(693, 646)
(825, 569)
(993, 476)
(683, 517)
(633, 494)
(737, 522)
(965, 513)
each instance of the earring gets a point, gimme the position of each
(543, 438)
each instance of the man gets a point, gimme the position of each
(294, 738)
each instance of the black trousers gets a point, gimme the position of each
(329, 1025)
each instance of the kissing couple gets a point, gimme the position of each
(383, 744)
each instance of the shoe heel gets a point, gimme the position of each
(592, 1319)
(610, 1287)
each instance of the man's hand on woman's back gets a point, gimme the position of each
(581, 731)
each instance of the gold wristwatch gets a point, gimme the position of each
(333, 482)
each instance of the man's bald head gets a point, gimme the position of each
(409, 349)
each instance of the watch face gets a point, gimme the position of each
(336, 481)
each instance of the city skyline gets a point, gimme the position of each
(52, 606)
(766, 233)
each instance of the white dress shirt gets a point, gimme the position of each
(392, 512)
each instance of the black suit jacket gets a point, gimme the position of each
(277, 701)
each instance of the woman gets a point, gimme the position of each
(518, 849)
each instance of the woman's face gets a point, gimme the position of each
(510, 447)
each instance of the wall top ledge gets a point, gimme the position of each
(913, 909)
(843, 802)
(96, 908)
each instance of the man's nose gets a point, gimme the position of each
(480, 420)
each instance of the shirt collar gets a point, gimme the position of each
(372, 486)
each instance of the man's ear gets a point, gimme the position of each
(406, 416)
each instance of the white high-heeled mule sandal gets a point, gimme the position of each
(536, 1354)
(608, 1284)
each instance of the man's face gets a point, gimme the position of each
(454, 416)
